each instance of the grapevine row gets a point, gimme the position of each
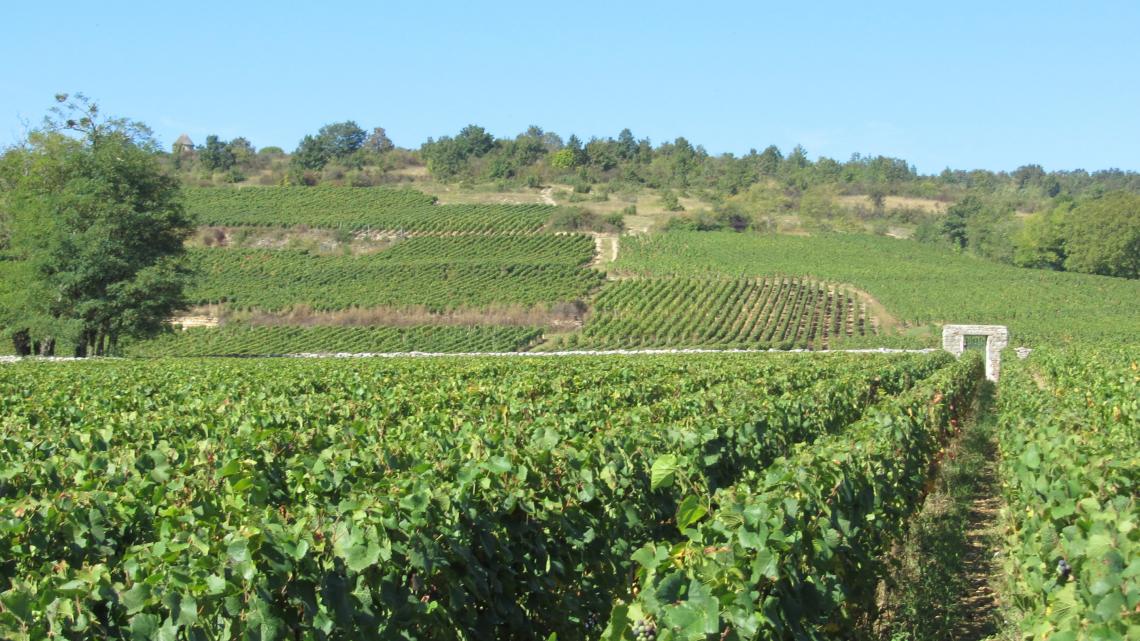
(545, 249)
(472, 498)
(254, 341)
(277, 279)
(357, 208)
(1070, 465)
(792, 551)
(719, 312)
(918, 283)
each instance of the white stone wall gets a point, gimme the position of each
(997, 338)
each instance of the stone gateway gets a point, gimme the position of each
(997, 338)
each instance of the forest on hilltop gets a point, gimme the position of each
(1077, 220)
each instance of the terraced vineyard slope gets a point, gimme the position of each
(436, 273)
(260, 341)
(362, 208)
(754, 313)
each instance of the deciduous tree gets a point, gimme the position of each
(1103, 236)
(97, 230)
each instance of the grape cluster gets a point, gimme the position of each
(1064, 569)
(644, 630)
(592, 622)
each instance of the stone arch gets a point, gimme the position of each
(997, 338)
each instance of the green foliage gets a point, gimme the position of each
(99, 228)
(954, 225)
(336, 141)
(818, 207)
(917, 283)
(238, 340)
(579, 219)
(563, 159)
(341, 139)
(385, 498)
(216, 155)
(310, 154)
(440, 273)
(744, 313)
(933, 586)
(670, 202)
(371, 208)
(727, 216)
(990, 235)
(1070, 462)
(1102, 236)
(981, 227)
(1040, 242)
(447, 157)
(791, 550)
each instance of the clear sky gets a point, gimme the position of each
(965, 84)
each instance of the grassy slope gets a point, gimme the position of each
(918, 283)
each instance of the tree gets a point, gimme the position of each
(216, 155)
(1102, 236)
(310, 154)
(1040, 243)
(379, 142)
(335, 141)
(341, 139)
(990, 234)
(474, 141)
(770, 160)
(448, 157)
(242, 151)
(574, 145)
(627, 145)
(563, 159)
(97, 229)
(957, 217)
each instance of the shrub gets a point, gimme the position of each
(670, 202)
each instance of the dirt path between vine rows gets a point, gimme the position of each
(979, 565)
(601, 255)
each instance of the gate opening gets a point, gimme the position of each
(990, 338)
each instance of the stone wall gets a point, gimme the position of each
(997, 338)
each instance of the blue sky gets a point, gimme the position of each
(961, 84)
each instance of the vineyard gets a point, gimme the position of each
(545, 249)
(649, 497)
(371, 208)
(437, 273)
(1070, 453)
(460, 498)
(252, 341)
(725, 313)
(919, 284)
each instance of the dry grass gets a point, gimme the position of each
(927, 205)
(454, 194)
(320, 241)
(650, 214)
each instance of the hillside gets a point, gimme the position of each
(919, 284)
(391, 259)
